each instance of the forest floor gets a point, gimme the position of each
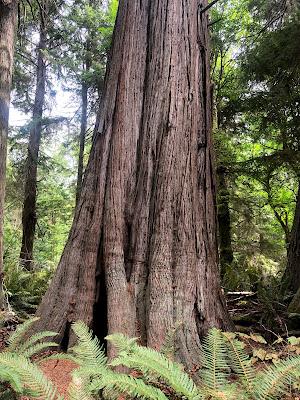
(263, 329)
(59, 373)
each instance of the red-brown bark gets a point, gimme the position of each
(141, 255)
(8, 19)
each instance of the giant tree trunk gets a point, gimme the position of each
(291, 277)
(224, 221)
(8, 18)
(141, 255)
(29, 217)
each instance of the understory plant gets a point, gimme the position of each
(19, 375)
(226, 371)
(138, 372)
(24, 289)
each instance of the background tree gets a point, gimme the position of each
(29, 217)
(252, 106)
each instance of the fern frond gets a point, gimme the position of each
(126, 384)
(275, 380)
(121, 342)
(10, 376)
(37, 348)
(214, 363)
(30, 375)
(16, 338)
(35, 339)
(168, 347)
(153, 364)
(228, 392)
(239, 361)
(78, 388)
(88, 350)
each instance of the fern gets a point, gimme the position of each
(275, 380)
(239, 361)
(214, 362)
(168, 347)
(32, 341)
(123, 383)
(16, 368)
(222, 353)
(29, 375)
(153, 364)
(78, 387)
(88, 350)
(8, 374)
(17, 337)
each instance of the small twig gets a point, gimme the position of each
(214, 22)
(207, 7)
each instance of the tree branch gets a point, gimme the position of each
(207, 7)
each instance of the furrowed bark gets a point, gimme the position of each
(141, 255)
(29, 215)
(8, 20)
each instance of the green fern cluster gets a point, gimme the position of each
(157, 377)
(140, 372)
(17, 369)
(24, 289)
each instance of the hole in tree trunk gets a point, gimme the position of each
(100, 306)
(65, 340)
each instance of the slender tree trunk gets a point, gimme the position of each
(224, 221)
(84, 108)
(29, 217)
(141, 255)
(83, 127)
(291, 277)
(8, 19)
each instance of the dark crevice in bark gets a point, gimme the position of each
(100, 327)
(127, 249)
(66, 337)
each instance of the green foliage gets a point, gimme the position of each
(152, 365)
(151, 375)
(239, 361)
(277, 378)
(255, 70)
(25, 289)
(159, 377)
(214, 361)
(88, 351)
(16, 368)
(25, 377)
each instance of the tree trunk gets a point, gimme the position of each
(29, 217)
(8, 19)
(83, 127)
(224, 222)
(291, 277)
(84, 108)
(141, 255)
